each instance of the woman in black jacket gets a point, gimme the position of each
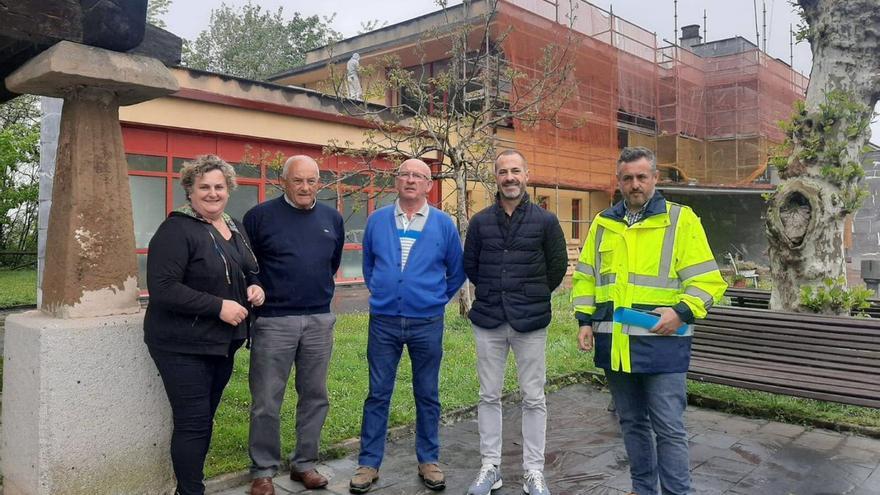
(202, 278)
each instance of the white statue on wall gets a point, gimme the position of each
(352, 80)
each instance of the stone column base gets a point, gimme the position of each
(84, 409)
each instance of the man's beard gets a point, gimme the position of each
(637, 200)
(519, 192)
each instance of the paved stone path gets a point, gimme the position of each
(585, 456)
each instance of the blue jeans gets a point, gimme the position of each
(651, 408)
(423, 338)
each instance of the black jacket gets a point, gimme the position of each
(515, 263)
(187, 280)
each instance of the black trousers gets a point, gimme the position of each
(194, 384)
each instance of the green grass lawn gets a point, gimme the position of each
(18, 287)
(348, 384)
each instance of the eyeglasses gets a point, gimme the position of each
(412, 175)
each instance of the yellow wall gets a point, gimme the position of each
(558, 201)
(211, 117)
(198, 115)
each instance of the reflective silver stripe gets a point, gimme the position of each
(656, 282)
(698, 269)
(584, 301)
(603, 327)
(635, 331)
(668, 243)
(704, 296)
(607, 279)
(597, 259)
(585, 269)
(608, 327)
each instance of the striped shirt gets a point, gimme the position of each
(408, 229)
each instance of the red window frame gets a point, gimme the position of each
(172, 143)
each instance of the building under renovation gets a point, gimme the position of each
(708, 108)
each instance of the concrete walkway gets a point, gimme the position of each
(585, 456)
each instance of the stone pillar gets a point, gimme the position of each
(91, 269)
(84, 410)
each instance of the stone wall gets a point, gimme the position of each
(866, 221)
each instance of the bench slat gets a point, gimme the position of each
(858, 326)
(867, 378)
(776, 389)
(758, 298)
(757, 372)
(826, 346)
(756, 352)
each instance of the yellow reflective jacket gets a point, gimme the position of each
(662, 260)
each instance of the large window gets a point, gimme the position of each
(155, 157)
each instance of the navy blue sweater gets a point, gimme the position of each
(299, 253)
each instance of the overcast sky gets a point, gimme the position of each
(725, 18)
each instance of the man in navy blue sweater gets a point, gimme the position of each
(412, 267)
(298, 243)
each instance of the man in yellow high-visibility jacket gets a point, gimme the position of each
(650, 254)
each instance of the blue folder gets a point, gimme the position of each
(640, 318)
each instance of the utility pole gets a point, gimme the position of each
(705, 31)
(764, 32)
(757, 33)
(675, 21)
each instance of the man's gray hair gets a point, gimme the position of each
(633, 153)
(512, 152)
(295, 158)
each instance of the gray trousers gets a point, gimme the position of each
(277, 344)
(528, 348)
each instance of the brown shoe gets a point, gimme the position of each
(363, 479)
(262, 486)
(432, 476)
(310, 479)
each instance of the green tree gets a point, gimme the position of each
(19, 179)
(254, 43)
(156, 10)
(454, 113)
(822, 177)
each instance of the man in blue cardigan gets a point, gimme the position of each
(412, 267)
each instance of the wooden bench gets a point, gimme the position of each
(760, 299)
(818, 357)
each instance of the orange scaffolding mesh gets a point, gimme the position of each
(576, 153)
(711, 118)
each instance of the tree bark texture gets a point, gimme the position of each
(461, 219)
(806, 213)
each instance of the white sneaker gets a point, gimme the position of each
(534, 484)
(487, 480)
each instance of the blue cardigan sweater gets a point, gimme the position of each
(433, 271)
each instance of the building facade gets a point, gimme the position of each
(708, 109)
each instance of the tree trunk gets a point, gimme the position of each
(820, 187)
(461, 219)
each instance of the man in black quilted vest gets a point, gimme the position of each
(515, 256)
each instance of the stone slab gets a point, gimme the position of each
(84, 410)
(133, 78)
